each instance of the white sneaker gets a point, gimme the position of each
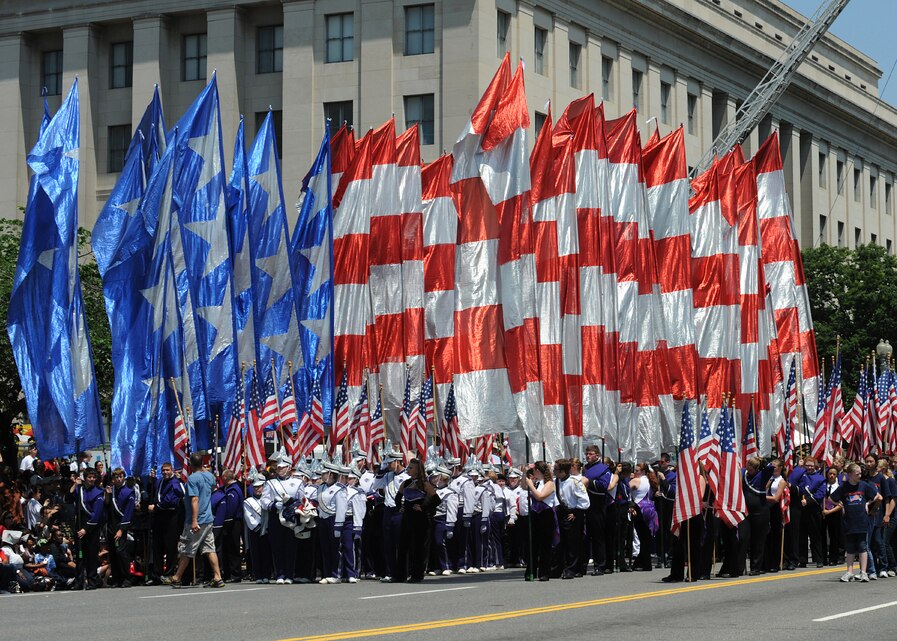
(324, 581)
(892, 573)
(872, 577)
(352, 579)
(462, 570)
(491, 568)
(446, 573)
(864, 578)
(288, 581)
(472, 570)
(386, 579)
(883, 574)
(279, 582)
(431, 573)
(499, 567)
(847, 577)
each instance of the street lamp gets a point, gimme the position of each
(884, 351)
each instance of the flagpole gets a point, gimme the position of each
(240, 422)
(215, 448)
(277, 401)
(437, 428)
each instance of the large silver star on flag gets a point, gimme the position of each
(221, 318)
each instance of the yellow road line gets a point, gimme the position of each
(548, 609)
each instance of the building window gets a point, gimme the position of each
(839, 175)
(873, 239)
(117, 145)
(575, 55)
(665, 103)
(823, 224)
(538, 121)
(194, 67)
(269, 49)
(873, 192)
(692, 109)
(340, 38)
(607, 78)
(339, 113)
(840, 234)
(857, 236)
(420, 29)
(636, 87)
(857, 180)
(278, 127)
(822, 166)
(888, 245)
(121, 61)
(501, 42)
(419, 111)
(541, 54)
(888, 186)
(51, 72)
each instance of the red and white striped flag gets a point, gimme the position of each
(480, 365)
(255, 445)
(749, 441)
(425, 415)
(451, 435)
(666, 177)
(483, 447)
(708, 451)
(361, 420)
(377, 433)
(233, 447)
(729, 504)
(784, 271)
(270, 413)
(853, 424)
(311, 428)
(440, 223)
(341, 422)
(181, 444)
(288, 420)
(785, 505)
(410, 412)
(687, 503)
(892, 426)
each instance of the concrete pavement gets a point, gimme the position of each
(495, 605)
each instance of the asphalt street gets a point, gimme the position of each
(495, 606)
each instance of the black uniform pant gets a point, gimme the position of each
(774, 542)
(665, 520)
(729, 538)
(757, 529)
(260, 555)
(832, 530)
(229, 559)
(544, 524)
(689, 540)
(570, 522)
(412, 558)
(795, 542)
(708, 545)
(283, 547)
(372, 541)
(645, 540)
(119, 554)
(520, 538)
(596, 531)
(90, 545)
(166, 527)
(307, 556)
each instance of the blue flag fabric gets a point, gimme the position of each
(46, 322)
(311, 252)
(150, 134)
(239, 236)
(276, 324)
(202, 263)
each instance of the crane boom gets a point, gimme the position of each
(772, 86)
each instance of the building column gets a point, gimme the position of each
(79, 59)
(151, 47)
(591, 51)
(651, 100)
(374, 35)
(679, 106)
(225, 46)
(705, 120)
(624, 84)
(13, 171)
(303, 115)
(468, 31)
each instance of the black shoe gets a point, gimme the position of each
(704, 577)
(625, 568)
(639, 568)
(723, 575)
(791, 567)
(598, 572)
(672, 579)
(568, 575)
(756, 572)
(820, 565)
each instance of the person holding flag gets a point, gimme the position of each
(775, 492)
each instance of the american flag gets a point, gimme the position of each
(233, 447)
(270, 413)
(505, 452)
(451, 437)
(425, 415)
(852, 425)
(377, 432)
(361, 419)
(730, 503)
(181, 443)
(785, 505)
(708, 452)
(484, 447)
(823, 413)
(288, 420)
(785, 429)
(688, 490)
(342, 421)
(410, 412)
(892, 427)
(835, 409)
(311, 428)
(749, 442)
(883, 405)
(255, 446)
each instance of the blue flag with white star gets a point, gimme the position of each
(276, 324)
(150, 134)
(46, 321)
(312, 255)
(203, 268)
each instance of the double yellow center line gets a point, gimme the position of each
(548, 609)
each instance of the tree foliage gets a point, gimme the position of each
(852, 295)
(12, 402)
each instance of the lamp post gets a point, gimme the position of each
(884, 350)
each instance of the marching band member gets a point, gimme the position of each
(390, 478)
(330, 493)
(518, 524)
(167, 517)
(122, 502)
(540, 485)
(445, 519)
(256, 519)
(416, 499)
(232, 529)
(280, 493)
(89, 498)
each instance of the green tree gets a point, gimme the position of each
(12, 403)
(851, 296)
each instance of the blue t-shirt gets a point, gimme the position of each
(200, 484)
(855, 498)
